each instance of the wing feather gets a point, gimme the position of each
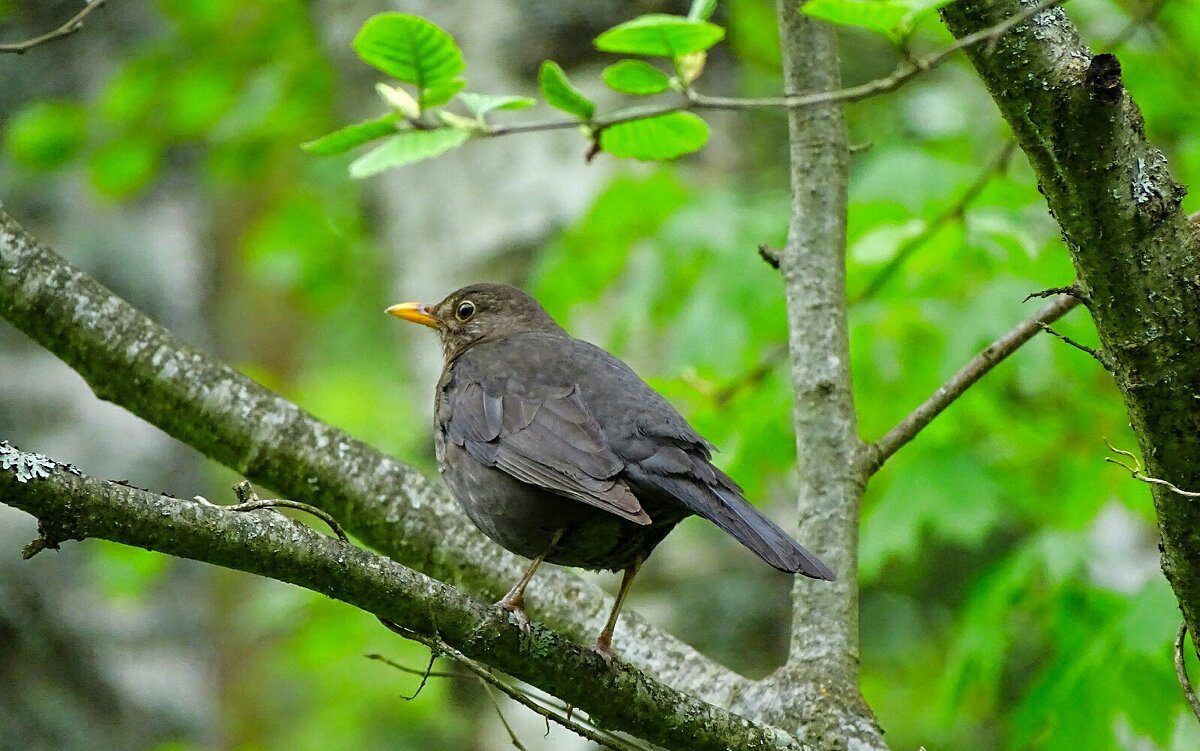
(545, 437)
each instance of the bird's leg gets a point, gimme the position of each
(604, 640)
(514, 601)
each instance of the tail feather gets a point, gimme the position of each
(746, 524)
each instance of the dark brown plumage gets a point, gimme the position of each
(558, 451)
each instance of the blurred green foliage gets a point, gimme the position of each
(992, 615)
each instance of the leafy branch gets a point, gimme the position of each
(418, 53)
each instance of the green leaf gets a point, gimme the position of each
(124, 167)
(559, 93)
(45, 135)
(660, 137)
(413, 50)
(441, 93)
(660, 35)
(347, 138)
(407, 147)
(481, 104)
(635, 77)
(883, 16)
(701, 10)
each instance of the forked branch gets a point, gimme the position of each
(882, 450)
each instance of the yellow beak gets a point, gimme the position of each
(415, 312)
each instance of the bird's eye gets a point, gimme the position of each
(465, 310)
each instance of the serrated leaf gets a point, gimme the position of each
(481, 104)
(701, 10)
(344, 139)
(561, 94)
(652, 138)
(635, 77)
(660, 35)
(407, 147)
(883, 16)
(414, 50)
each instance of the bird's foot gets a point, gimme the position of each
(515, 604)
(603, 647)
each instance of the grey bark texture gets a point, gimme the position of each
(130, 360)
(70, 506)
(822, 666)
(1135, 251)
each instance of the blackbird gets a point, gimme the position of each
(559, 452)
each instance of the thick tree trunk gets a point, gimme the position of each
(1136, 253)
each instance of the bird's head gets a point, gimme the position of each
(476, 313)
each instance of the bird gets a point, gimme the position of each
(558, 451)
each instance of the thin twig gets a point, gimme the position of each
(1136, 471)
(67, 29)
(251, 502)
(411, 671)
(1081, 347)
(756, 375)
(977, 368)
(1181, 671)
(905, 71)
(425, 674)
(693, 100)
(1145, 17)
(437, 646)
(1071, 289)
(512, 734)
(953, 212)
(769, 255)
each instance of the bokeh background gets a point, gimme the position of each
(1011, 592)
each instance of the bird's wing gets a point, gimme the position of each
(673, 459)
(543, 436)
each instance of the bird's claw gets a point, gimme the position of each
(603, 647)
(516, 606)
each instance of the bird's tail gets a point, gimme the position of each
(732, 513)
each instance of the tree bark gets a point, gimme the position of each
(822, 694)
(130, 360)
(71, 506)
(1135, 251)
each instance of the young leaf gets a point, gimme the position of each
(399, 100)
(460, 122)
(701, 10)
(346, 138)
(559, 93)
(407, 147)
(635, 77)
(413, 50)
(690, 66)
(481, 104)
(660, 35)
(660, 137)
(883, 16)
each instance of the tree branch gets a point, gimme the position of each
(131, 361)
(74, 24)
(694, 100)
(1133, 247)
(917, 420)
(953, 212)
(71, 506)
(823, 660)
